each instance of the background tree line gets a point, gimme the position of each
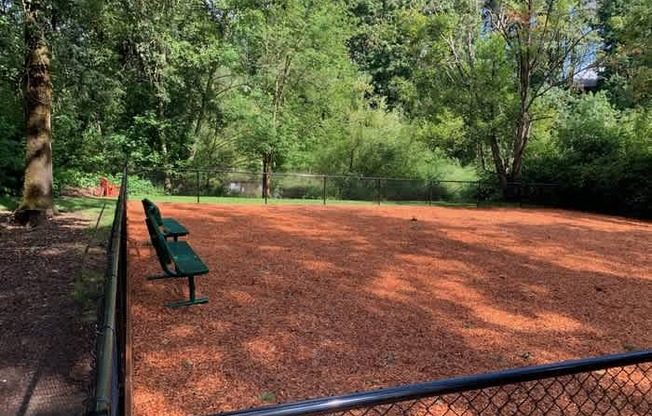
(450, 89)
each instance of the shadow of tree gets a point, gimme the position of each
(45, 345)
(312, 301)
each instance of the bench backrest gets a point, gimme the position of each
(158, 241)
(152, 209)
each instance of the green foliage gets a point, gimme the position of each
(601, 158)
(412, 89)
(8, 203)
(11, 111)
(626, 27)
(142, 186)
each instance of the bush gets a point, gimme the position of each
(600, 159)
(75, 179)
(138, 185)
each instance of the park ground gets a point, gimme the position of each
(50, 280)
(307, 301)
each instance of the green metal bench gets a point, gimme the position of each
(171, 227)
(179, 254)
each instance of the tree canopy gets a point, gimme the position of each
(421, 89)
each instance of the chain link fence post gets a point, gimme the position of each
(198, 186)
(378, 191)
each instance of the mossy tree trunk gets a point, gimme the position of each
(38, 201)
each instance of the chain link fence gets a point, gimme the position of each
(107, 397)
(610, 385)
(198, 183)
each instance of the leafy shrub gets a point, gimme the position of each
(138, 185)
(601, 159)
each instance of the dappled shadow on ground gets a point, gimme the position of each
(313, 301)
(45, 346)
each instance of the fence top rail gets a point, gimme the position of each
(446, 386)
(334, 176)
(328, 175)
(292, 174)
(107, 336)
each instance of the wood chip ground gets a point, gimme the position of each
(46, 341)
(310, 301)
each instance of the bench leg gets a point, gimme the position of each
(193, 300)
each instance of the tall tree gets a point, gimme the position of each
(290, 51)
(550, 42)
(38, 198)
(504, 57)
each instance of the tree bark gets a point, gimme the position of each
(267, 175)
(522, 138)
(500, 165)
(38, 201)
(201, 115)
(167, 181)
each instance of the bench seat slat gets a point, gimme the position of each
(185, 258)
(173, 228)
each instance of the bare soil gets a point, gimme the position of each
(45, 340)
(314, 301)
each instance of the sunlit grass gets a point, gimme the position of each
(8, 203)
(88, 207)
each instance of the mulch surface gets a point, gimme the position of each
(45, 344)
(311, 301)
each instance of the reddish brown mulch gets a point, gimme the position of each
(313, 301)
(45, 342)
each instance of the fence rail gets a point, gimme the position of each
(109, 398)
(609, 385)
(198, 183)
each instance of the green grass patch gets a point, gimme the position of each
(87, 285)
(90, 207)
(87, 289)
(8, 203)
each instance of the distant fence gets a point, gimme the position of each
(110, 360)
(199, 183)
(610, 385)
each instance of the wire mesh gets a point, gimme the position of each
(108, 365)
(619, 384)
(616, 391)
(199, 183)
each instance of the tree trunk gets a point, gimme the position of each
(499, 164)
(167, 181)
(267, 175)
(201, 115)
(522, 137)
(38, 200)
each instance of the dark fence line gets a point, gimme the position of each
(617, 384)
(199, 183)
(110, 356)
